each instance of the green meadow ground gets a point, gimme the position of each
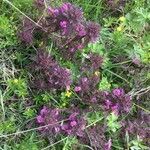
(124, 39)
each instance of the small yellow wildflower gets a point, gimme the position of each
(16, 81)
(122, 19)
(68, 94)
(97, 73)
(41, 44)
(119, 29)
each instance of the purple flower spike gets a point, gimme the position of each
(56, 12)
(44, 111)
(73, 123)
(65, 7)
(73, 116)
(63, 24)
(118, 92)
(80, 30)
(93, 30)
(108, 104)
(108, 145)
(40, 119)
(26, 34)
(93, 100)
(115, 109)
(53, 75)
(84, 79)
(77, 89)
(64, 127)
(80, 46)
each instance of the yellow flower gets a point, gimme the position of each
(68, 94)
(97, 73)
(122, 18)
(16, 80)
(119, 29)
(41, 44)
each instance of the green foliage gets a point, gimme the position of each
(141, 54)
(7, 32)
(100, 49)
(94, 117)
(138, 19)
(69, 143)
(27, 144)
(112, 122)
(104, 84)
(18, 87)
(29, 113)
(137, 144)
(45, 97)
(8, 125)
(25, 4)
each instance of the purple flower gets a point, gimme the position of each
(26, 34)
(77, 89)
(96, 61)
(138, 126)
(115, 109)
(64, 127)
(119, 102)
(51, 118)
(88, 89)
(108, 145)
(40, 119)
(93, 30)
(136, 61)
(92, 63)
(68, 21)
(53, 76)
(118, 92)
(127, 103)
(93, 99)
(108, 104)
(43, 111)
(73, 115)
(63, 24)
(65, 7)
(73, 123)
(96, 134)
(81, 31)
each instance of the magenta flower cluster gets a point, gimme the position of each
(92, 63)
(26, 34)
(49, 117)
(117, 101)
(73, 122)
(66, 26)
(68, 21)
(53, 76)
(98, 139)
(139, 126)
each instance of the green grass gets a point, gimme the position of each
(19, 104)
